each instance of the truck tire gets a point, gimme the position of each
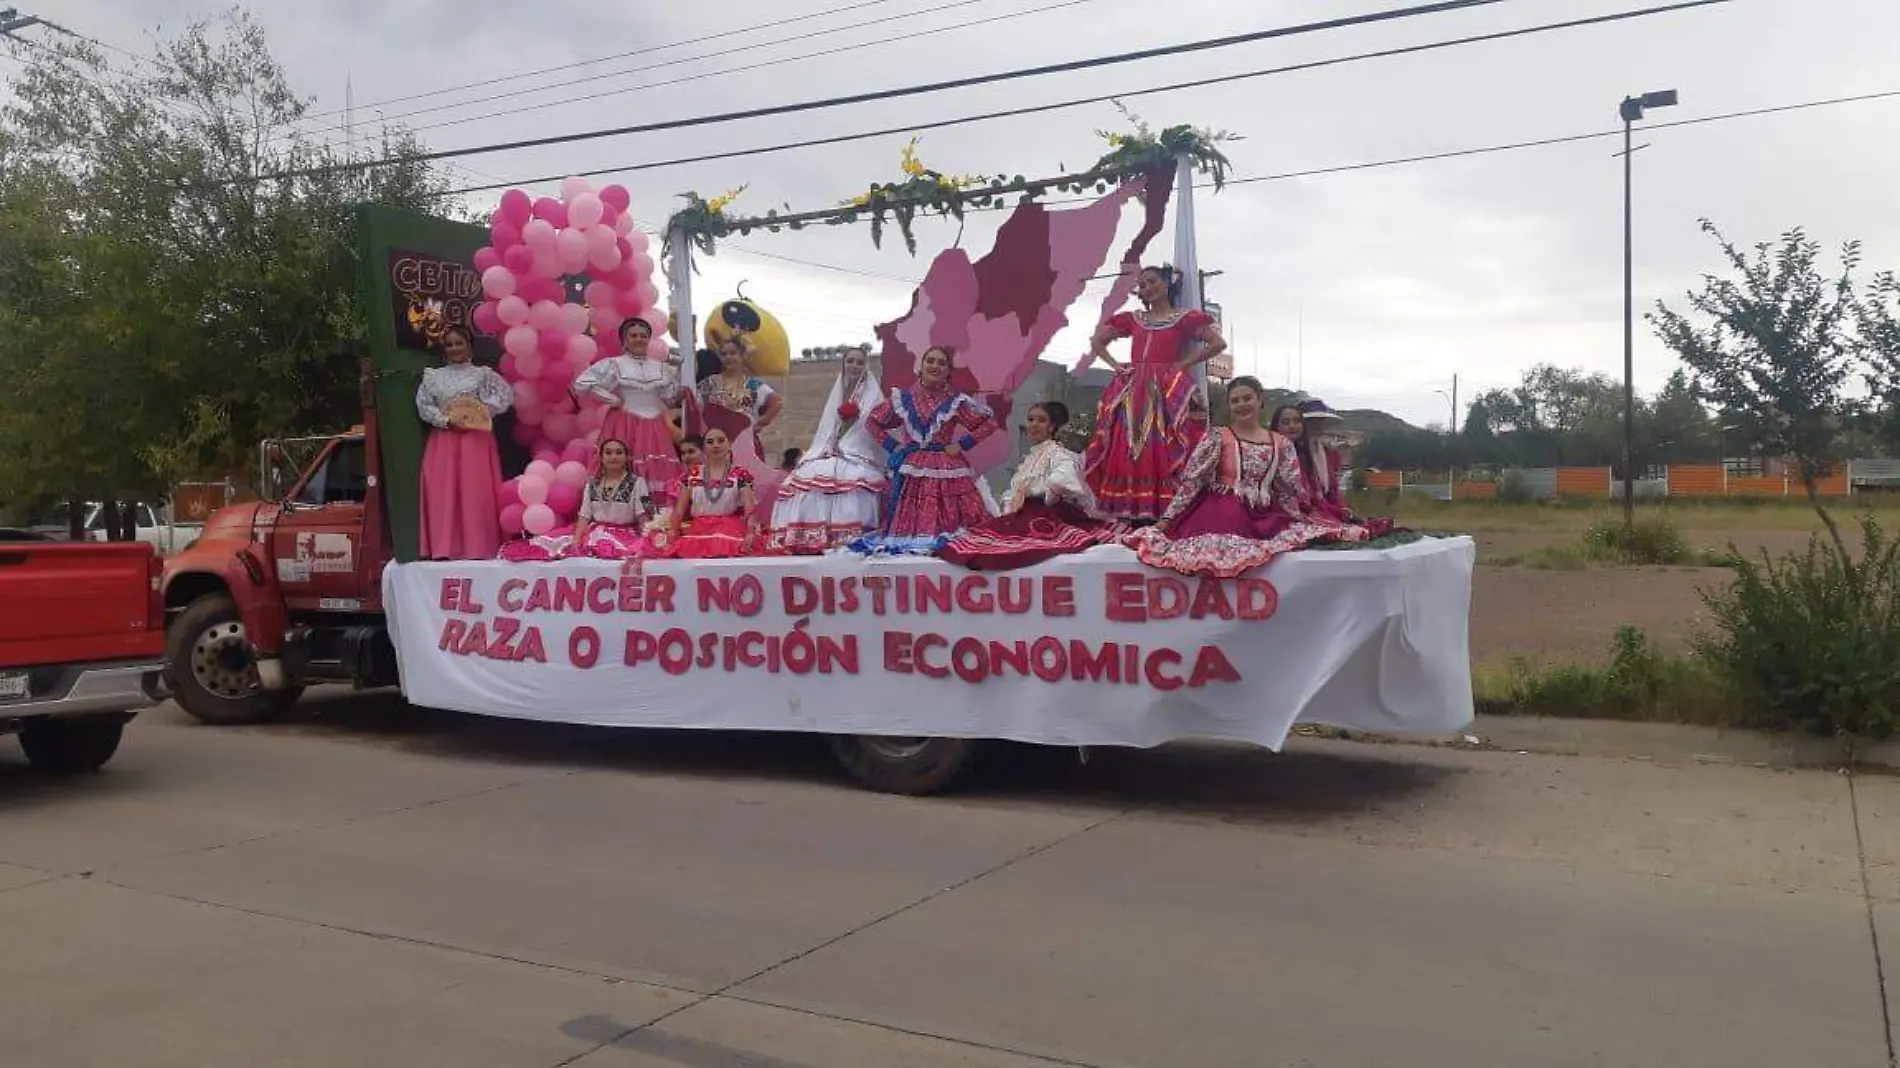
(213, 675)
(71, 746)
(915, 766)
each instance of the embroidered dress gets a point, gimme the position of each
(832, 496)
(933, 494)
(716, 403)
(1237, 508)
(638, 392)
(715, 526)
(1045, 515)
(461, 468)
(1144, 427)
(617, 517)
(1319, 492)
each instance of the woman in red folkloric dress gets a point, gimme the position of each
(1148, 418)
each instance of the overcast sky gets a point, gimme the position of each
(1402, 276)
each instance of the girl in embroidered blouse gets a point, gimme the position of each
(1047, 512)
(1149, 418)
(638, 391)
(1238, 505)
(833, 491)
(734, 399)
(1320, 465)
(712, 515)
(926, 430)
(461, 468)
(615, 511)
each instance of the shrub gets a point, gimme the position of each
(1515, 488)
(1640, 682)
(1812, 641)
(1649, 540)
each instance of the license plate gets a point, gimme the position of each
(12, 686)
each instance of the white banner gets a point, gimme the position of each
(1091, 649)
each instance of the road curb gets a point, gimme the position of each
(1668, 743)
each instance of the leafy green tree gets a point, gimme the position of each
(164, 303)
(1778, 348)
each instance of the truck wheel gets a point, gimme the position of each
(905, 765)
(214, 676)
(71, 746)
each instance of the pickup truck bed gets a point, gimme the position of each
(82, 638)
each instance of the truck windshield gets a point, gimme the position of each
(343, 477)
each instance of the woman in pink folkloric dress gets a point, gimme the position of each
(461, 468)
(927, 430)
(1149, 418)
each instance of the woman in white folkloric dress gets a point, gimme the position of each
(832, 494)
(1048, 512)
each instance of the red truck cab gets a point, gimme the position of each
(82, 643)
(277, 595)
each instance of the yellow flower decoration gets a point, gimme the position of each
(911, 165)
(718, 204)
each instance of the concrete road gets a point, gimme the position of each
(372, 885)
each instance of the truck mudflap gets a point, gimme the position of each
(83, 689)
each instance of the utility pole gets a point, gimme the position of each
(1454, 405)
(1632, 111)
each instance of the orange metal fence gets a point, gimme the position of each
(1583, 482)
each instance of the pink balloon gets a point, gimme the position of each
(540, 469)
(534, 290)
(642, 266)
(504, 235)
(507, 367)
(521, 343)
(657, 316)
(552, 343)
(564, 498)
(544, 315)
(572, 187)
(597, 294)
(624, 225)
(584, 210)
(511, 519)
(507, 493)
(630, 302)
(528, 364)
(547, 264)
(538, 519)
(571, 245)
(622, 277)
(515, 206)
(561, 428)
(577, 451)
(531, 415)
(551, 211)
(539, 234)
(600, 238)
(519, 259)
(638, 240)
(609, 218)
(603, 259)
(581, 350)
(649, 296)
(485, 319)
(498, 282)
(570, 472)
(486, 257)
(616, 195)
(573, 321)
(557, 375)
(532, 488)
(512, 310)
(605, 319)
(657, 349)
(527, 394)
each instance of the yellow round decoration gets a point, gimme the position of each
(770, 352)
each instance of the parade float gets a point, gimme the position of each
(907, 664)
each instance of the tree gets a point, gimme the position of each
(1880, 343)
(1779, 350)
(162, 304)
(1678, 424)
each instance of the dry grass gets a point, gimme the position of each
(1708, 520)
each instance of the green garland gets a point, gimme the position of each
(927, 192)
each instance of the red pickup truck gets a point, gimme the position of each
(82, 647)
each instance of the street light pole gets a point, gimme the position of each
(1632, 110)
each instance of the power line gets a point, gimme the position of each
(1035, 109)
(592, 80)
(1439, 7)
(753, 28)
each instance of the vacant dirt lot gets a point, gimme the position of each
(1556, 616)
